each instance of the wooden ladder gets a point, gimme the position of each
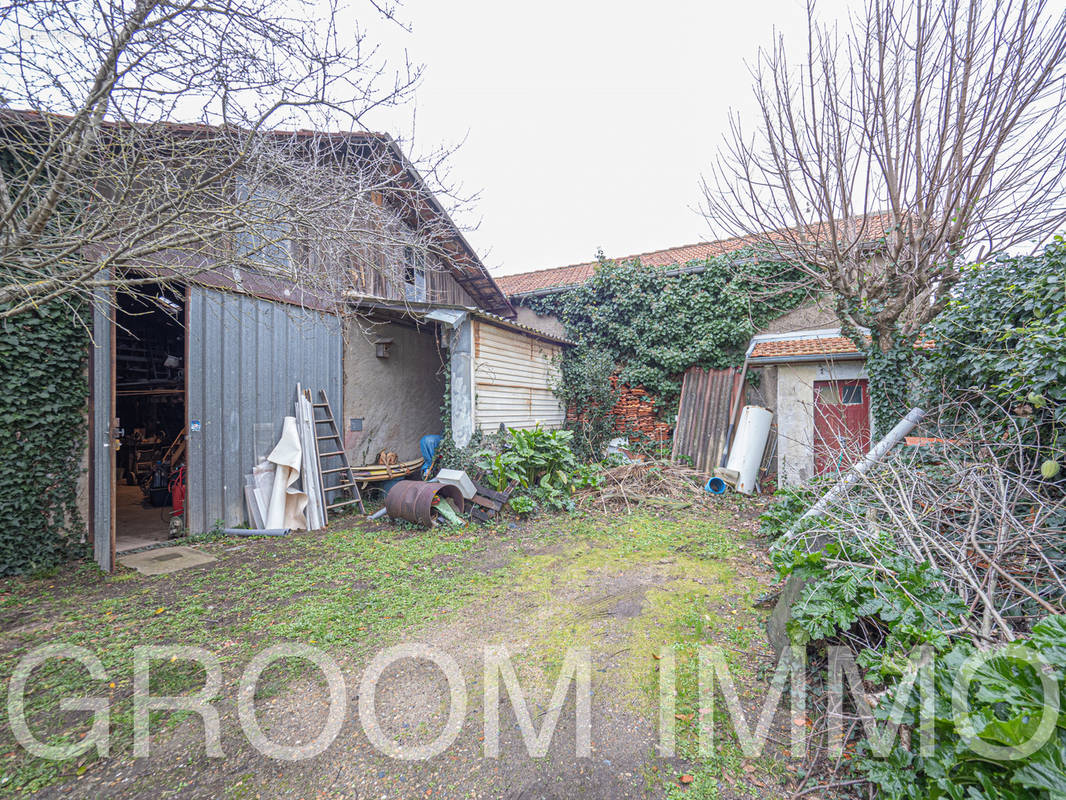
(344, 471)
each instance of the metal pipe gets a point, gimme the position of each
(894, 437)
(256, 531)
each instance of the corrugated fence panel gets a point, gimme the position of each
(703, 416)
(513, 376)
(246, 356)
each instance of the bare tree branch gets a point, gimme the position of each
(927, 135)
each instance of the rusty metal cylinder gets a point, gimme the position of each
(413, 500)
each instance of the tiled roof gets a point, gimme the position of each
(806, 346)
(576, 274)
(811, 344)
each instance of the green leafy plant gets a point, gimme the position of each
(789, 504)
(541, 457)
(905, 600)
(541, 463)
(588, 476)
(43, 394)
(523, 504)
(1006, 703)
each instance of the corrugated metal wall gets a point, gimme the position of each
(513, 376)
(245, 358)
(703, 416)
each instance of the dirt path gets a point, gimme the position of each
(624, 595)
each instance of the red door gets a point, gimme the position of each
(841, 424)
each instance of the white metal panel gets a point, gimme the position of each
(514, 375)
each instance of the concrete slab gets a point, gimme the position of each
(164, 560)
(138, 524)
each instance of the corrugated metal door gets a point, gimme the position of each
(841, 424)
(246, 356)
(513, 376)
(101, 443)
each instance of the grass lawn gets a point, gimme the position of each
(365, 585)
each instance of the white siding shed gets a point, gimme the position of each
(514, 373)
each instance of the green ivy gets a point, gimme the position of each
(1001, 343)
(891, 367)
(43, 394)
(654, 325)
(585, 385)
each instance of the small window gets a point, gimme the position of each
(851, 394)
(414, 275)
(828, 394)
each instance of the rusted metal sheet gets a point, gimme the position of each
(413, 500)
(703, 416)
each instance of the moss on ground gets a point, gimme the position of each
(353, 589)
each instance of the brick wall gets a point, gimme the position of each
(634, 413)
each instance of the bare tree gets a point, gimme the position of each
(925, 135)
(101, 187)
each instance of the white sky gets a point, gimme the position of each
(586, 123)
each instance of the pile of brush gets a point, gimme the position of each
(657, 484)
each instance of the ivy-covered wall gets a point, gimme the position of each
(43, 394)
(651, 325)
(1001, 345)
(656, 324)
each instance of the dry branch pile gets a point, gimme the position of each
(659, 484)
(976, 510)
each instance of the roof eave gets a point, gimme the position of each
(765, 360)
(431, 198)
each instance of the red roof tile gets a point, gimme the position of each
(811, 345)
(576, 274)
(805, 346)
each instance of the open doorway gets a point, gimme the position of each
(150, 407)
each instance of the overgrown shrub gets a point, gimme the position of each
(1005, 706)
(956, 547)
(543, 466)
(585, 384)
(1001, 345)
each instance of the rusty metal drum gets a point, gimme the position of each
(413, 500)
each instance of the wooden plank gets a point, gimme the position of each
(492, 494)
(486, 502)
